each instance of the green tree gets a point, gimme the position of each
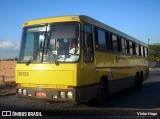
(16, 58)
(154, 52)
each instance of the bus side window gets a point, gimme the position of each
(140, 53)
(130, 47)
(145, 51)
(101, 39)
(108, 41)
(137, 49)
(88, 44)
(127, 47)
(134, 48)
(115, 43)
(123, 41)
(119, 44)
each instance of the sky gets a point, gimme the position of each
(137, 18)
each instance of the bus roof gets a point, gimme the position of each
(86, 19)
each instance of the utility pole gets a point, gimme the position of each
(148, 46)
(148, 52)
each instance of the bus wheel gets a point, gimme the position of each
(101, 95)
(141, 79)
(138, 81)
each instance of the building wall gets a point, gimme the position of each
(7, 69)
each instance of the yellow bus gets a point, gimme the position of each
(77, 59)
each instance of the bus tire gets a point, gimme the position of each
(100, 99)
(141, 79)
(101, 94)
(138, 80)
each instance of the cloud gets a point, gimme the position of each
(6, 44)
(9, 44)
(9, 49)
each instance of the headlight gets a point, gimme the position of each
(55, 96)
(70, 95)
(24, 92)
(19, 91)
(29, 95)
(62, 94)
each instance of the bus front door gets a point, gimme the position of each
(88, 58)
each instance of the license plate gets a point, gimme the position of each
(41, 94)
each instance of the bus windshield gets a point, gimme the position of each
(59, 42)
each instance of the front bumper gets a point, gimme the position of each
(76, 95)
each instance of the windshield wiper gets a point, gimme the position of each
(53, 57)
(29, 61)
(36, 53)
